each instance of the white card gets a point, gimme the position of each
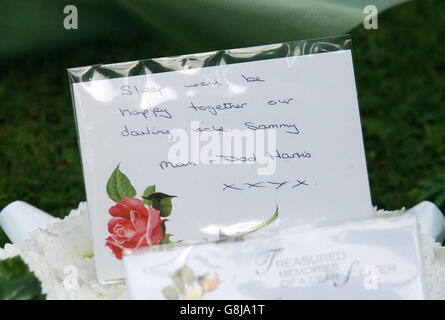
(372, 259)
(304, 150)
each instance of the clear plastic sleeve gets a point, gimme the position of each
(369, 259)
(292, 107)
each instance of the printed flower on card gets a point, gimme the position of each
(186, 285)
(133, 226)
(135, 223)
(209, 281)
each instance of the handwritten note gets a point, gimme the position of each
(229, 142)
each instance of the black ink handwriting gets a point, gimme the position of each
(203, 84)
(156, 112)
(209, 129)
(269, 184)
(213, 109)
(252, 126)
(279, 101)
(146, 131)
(169, 164)
(252, 79)
(127, 90)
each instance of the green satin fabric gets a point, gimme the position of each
(196, 25)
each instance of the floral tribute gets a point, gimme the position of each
(136, 223)
(187, 285)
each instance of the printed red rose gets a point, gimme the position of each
(133, 226)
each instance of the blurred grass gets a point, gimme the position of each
(399, 71)
(401, 86)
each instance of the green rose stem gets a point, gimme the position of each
(224, 237)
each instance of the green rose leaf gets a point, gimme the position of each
(187, 274)
(119, 186)
(177, 280)
(161, 202)
(171, 292)
(183, 276)
(148, 191)
(17, 282)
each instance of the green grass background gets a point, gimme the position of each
(399, 71)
